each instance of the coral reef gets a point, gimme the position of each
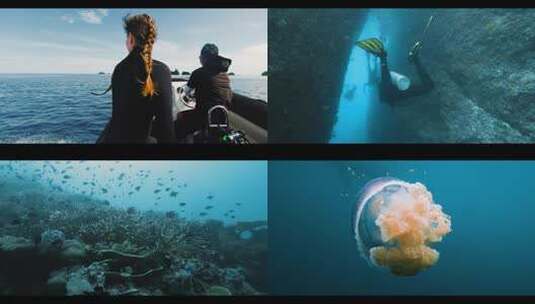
(51, 241)
(75, 245)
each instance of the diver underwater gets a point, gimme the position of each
(394, 86)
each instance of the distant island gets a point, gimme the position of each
(176, 72)
(231, 74)
(101, 73)
(265, 73)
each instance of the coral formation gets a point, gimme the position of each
(75, 245)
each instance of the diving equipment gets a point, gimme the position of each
(235, 137)
(402, 82)
(373, 46)
(218, 129)
(414, 50)
(418, 44)
(427, 27)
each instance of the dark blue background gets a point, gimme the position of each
(489, 252)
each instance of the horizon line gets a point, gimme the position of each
(95, 73)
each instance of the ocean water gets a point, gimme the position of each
(56, 108)
(159, 186)
(362, 117)
(358, 93)
(254, 87)
(313, 250)
(183, 227)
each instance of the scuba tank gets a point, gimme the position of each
(401, 82)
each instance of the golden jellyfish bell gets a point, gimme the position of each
(396, 222)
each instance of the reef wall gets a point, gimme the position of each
(308, 54)
(483, 65)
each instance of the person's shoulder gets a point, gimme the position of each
(199, 74)
(160, 66)
(198, 71)
(122, 66)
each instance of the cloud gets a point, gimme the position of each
(89, 16)
(93, 16)
(68, 18)
(166, 48)
(103, 12)
(248, 61)
(57, 64)
(56, 46)
(174, 55)
(101, 44)
(26, 44)
(251, 60)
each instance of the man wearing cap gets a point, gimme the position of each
(211, 85)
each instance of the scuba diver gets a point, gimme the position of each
(210, 86)
(141, 90)
(394, 86)
(373, 77)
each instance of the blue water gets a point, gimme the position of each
(362, 117)
(235, 190)
(488, 252)
(56, 108)
(358, 92)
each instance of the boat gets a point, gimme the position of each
(248, 116)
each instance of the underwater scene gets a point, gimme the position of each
(401, 227)
(146, 228)
(402, 75)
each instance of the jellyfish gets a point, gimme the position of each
(395, 223)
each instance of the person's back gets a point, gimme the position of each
(391, 93)
(141, 90)
(132, 113)
(212, 87)
(388, 91)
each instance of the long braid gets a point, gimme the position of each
(146, 54)
(143, 28)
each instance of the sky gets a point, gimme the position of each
(93, 40)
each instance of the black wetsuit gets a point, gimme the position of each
(389, 92)
(138, 119)
(212, 87)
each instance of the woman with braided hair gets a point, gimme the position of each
(141, 90)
